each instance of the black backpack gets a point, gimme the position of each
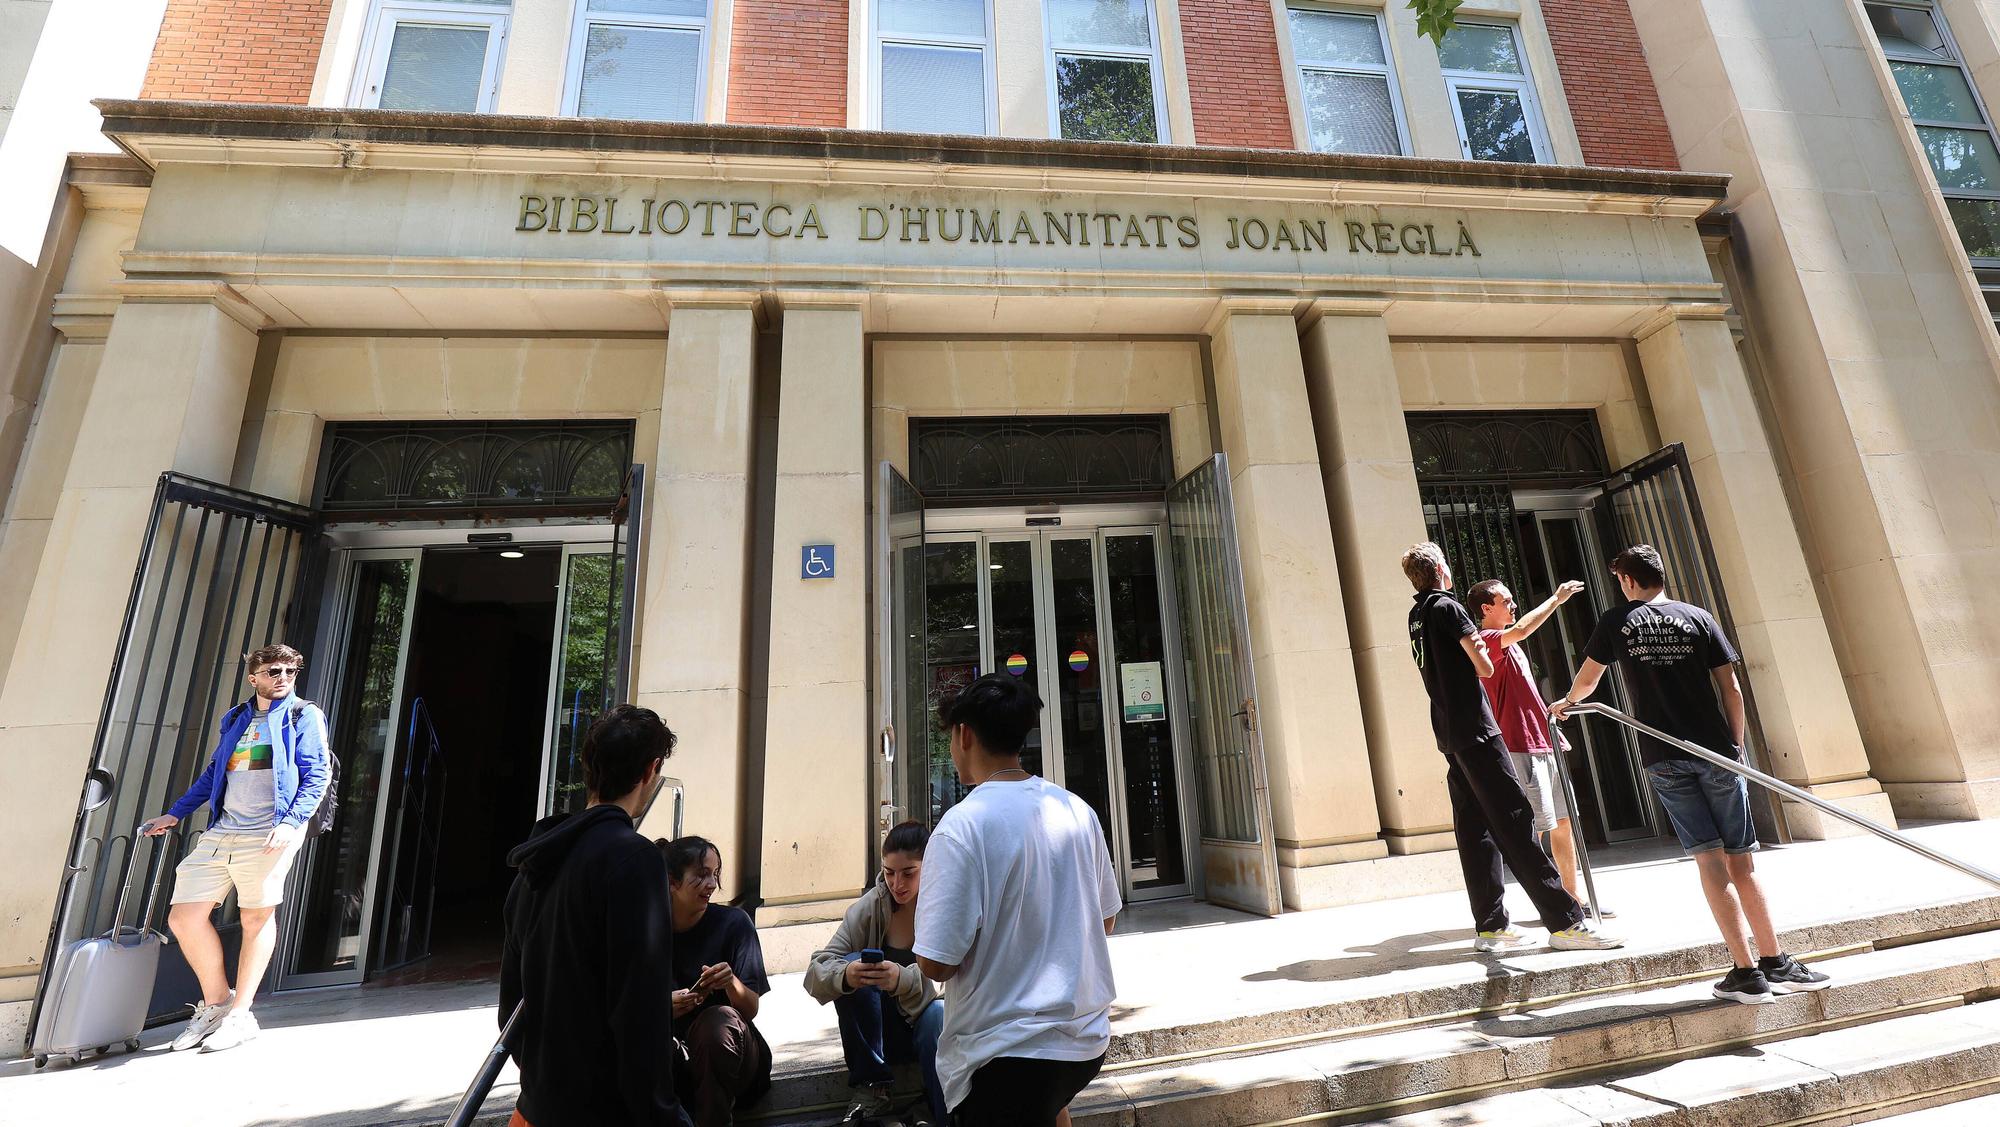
(329, 803)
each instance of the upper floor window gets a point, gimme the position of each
(1492, 95)
(438, 55)
(1346, 81)
(1950, 121)
(1104, 71)
(644, 60)
(932, 66)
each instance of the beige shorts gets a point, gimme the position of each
(220, 862)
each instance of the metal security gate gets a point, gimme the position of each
(222, 571)
(1653, 501)
(1238, 849)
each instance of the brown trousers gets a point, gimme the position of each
(727, 1064)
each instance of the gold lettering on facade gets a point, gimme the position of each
(916, 223)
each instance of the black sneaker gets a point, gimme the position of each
(1746, 985)
(1790, 976)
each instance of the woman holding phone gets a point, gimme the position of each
(889, 1012)
(719, 982)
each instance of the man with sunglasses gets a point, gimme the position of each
(262, 784)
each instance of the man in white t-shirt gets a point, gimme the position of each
(1018, 895)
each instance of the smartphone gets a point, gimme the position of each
(871, 954)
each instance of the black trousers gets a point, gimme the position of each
(1023, 1092)
(1493, 821)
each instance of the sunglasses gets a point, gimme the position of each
(277, 671)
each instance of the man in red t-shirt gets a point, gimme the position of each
(1523, 718)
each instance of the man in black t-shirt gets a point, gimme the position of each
(1681, 674)
(1490, 816)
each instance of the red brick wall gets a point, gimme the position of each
(1611, 94)
(237, 50)
(1235, 81)
(788, 63)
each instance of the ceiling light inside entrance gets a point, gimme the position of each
(512, 554)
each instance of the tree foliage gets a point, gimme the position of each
(1435, 17)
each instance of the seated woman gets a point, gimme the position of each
(718, 982)
(889, 1012)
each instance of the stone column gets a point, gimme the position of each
(1701, 398)
(693, 645)
(1371, 489)
(1315, 747)
(169, 395)
(817, 815)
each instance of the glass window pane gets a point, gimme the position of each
(1480, 47)
(1906, 31)
(933, 17)
(696, 8)
(1978, 223)
(1350, 113)
(434, 68)
(1104, 23)
(1935, 93)
(1105, 99)
(1330, 38)
(933, 89)
(639, 73)
(1961, 158)
(1496, 128)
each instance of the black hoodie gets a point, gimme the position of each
(589, 946)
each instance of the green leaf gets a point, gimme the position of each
(1435, 17)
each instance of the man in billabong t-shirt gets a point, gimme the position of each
(1676, 662)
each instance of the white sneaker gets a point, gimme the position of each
(1506, 939)
(1583, 937)
(236, 1027)
(204, 1021)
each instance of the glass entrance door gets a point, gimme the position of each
(1558, 545)
(1081, 614)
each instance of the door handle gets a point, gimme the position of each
(1249, 714)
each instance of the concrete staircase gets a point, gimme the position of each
(1911, 1022)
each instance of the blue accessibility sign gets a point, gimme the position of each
(816, 561)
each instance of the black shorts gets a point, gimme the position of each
(1023, 1091)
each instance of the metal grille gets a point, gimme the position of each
(473, 467)
(1524, 447)
(221, 572)
(1476, 526)
(990, 459)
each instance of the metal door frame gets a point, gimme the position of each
(1649, 807)
(570, 550)
(337, 620)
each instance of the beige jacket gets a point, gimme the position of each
(866, 925)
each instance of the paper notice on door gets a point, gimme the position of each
(1140, 687)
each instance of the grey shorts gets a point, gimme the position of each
(1537, 774)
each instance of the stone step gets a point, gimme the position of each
(1458, 989)
(1879, 1072)
(1378, 1075)
(1958, 1113)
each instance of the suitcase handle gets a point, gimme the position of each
(153, 867)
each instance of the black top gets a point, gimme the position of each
(1460, 714)
(587, 944)
(901, 956)
(1671, 646)
(723, 935)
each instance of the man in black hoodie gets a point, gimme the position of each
(589, 946)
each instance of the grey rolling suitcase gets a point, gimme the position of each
(101, 987)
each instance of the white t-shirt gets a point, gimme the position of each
(1017, 885)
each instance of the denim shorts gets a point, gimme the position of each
(1709, 806)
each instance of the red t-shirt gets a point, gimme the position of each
(1517, 704)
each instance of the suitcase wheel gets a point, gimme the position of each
(103, 1050)
(41, 1060)
(131, 1044)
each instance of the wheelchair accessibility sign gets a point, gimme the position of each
(816, 561)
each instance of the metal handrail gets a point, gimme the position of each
(1769, 782)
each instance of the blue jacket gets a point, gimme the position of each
(298, 761)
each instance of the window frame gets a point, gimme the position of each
(579, 38)
(877, 38)
(1152, 57)
(1300, 68)
(384, 16)
(1486, 81)
(1957, 59)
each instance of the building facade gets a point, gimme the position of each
(782, 364)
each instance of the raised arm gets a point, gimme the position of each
(1532, 621)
